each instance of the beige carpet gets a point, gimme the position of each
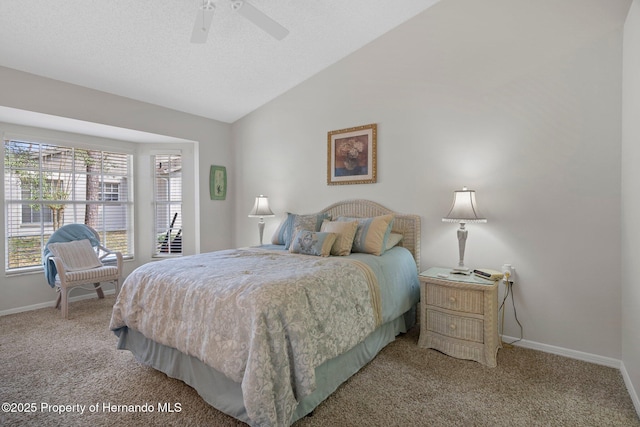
(47, 360)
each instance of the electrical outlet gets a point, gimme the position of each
(508, 269)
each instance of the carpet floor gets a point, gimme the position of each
(52, 369)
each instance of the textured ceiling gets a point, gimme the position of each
(141, 49)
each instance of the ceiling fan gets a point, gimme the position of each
(207, 9)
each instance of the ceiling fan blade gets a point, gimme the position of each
(203, 23)
(261, 20)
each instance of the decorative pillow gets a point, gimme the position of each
(76, 255)
(312, 243)
(294, 223)
(345, 231)
(394, 239)
(372, 233)
(278, 235)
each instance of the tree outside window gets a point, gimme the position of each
(47, 186)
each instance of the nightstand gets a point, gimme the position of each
(459, 315)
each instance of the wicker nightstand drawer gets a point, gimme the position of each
(468, 301)
(458, 315)
(464, 328)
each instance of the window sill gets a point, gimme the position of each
(160, 256)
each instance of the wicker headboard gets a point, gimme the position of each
(406, 224)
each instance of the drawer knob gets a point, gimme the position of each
(452, 326)
(452, 299)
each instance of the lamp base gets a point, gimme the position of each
(462, 241)
(261, 229)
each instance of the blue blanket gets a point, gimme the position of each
(65, 233)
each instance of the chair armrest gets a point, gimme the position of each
(61, 272)
(119, 262)
(103, 251)
(117, 254)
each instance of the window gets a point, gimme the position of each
(48, 186)
(32, 213)
(109, 192)
(168, 204)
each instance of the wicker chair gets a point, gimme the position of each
(77, 258)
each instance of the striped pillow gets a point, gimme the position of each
(278, 237)
(76, 255)
(372, 233)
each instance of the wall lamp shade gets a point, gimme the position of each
(260, 210)
(464, 209)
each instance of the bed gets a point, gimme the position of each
(266, 334)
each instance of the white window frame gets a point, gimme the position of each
(42, 137)
(166, 248)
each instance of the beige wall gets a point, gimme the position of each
(630, 201)
(519, 107)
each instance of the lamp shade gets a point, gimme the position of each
(464, 208)
(261, 207)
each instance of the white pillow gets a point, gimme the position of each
(76, 255)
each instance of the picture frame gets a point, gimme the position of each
(218, 182)
(351, 155)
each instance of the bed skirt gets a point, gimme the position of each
(226, 395)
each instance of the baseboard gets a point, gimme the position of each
(561, 351)
(630, 389)
(52, 303)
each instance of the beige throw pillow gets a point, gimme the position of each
(345, 231)
(372, 233)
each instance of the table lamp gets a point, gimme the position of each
(463, 210)
(260, 210)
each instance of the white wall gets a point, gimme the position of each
(28, 92)
(630, 201)
(499, 96)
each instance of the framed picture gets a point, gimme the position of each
(351, 155)
(218, 182)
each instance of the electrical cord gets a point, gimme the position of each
(515, 315)
(508, 291)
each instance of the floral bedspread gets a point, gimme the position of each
(266, 319)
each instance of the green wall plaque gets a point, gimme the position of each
(218, 182)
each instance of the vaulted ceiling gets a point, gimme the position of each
(142, 49)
